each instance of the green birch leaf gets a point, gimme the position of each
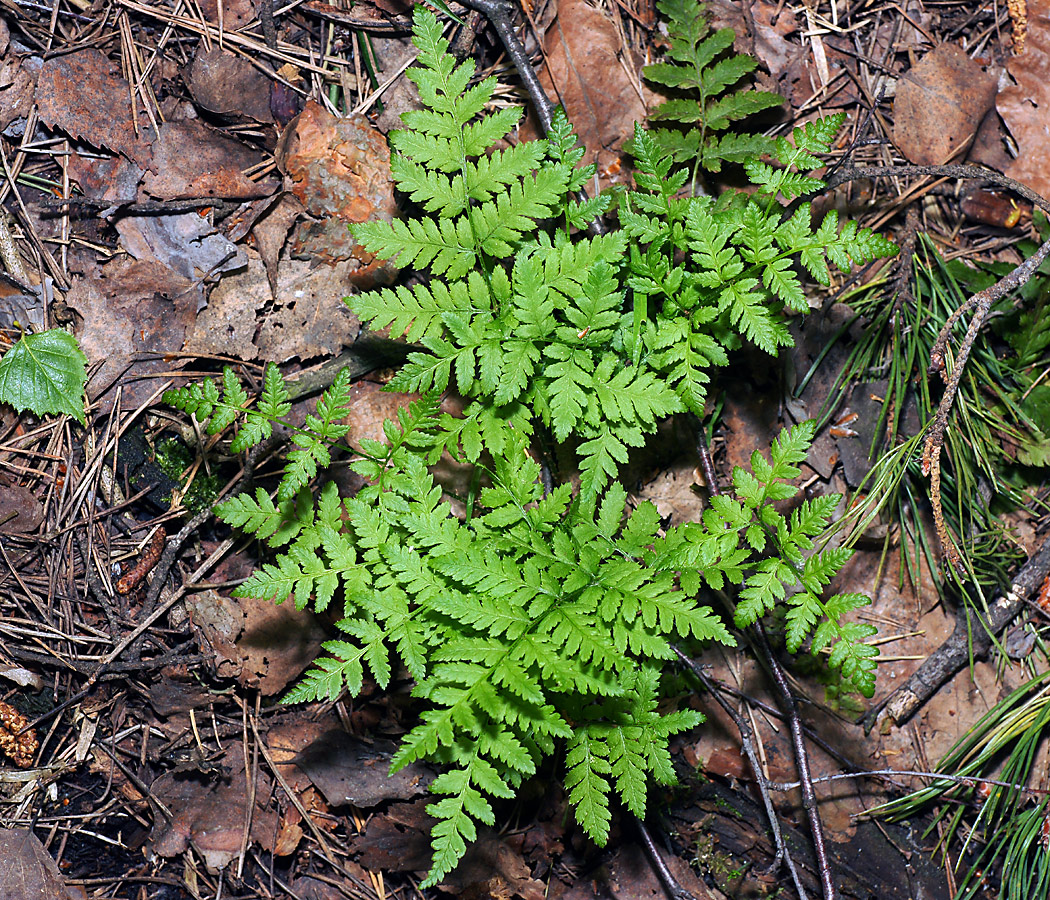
(45, 373)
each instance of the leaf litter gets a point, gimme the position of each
(183, 189)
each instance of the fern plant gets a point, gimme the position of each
(704, 78)
(544, 616)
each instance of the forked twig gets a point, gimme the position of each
(798, 745)
(980, 303)
(747, 743)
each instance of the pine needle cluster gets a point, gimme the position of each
(544, 617)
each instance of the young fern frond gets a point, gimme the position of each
(703, 77)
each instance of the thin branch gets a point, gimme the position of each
(790, 707)
(981, 304)
(955, 653)
(670, 883)
(851, 173)
(889, 774)
(747, 744)
(798, 743)
(500, 14)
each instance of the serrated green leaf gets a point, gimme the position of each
(45, 373)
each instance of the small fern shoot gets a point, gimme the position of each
(703, 76)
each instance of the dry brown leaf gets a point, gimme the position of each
(774, 23)
(308, 888)
(750, 418)
(348, 771)
(260, 644)
(228, 86)
(17, 85)
(674, 493)
(20, 511)
(490, 868)
(939, 105)
(193, 160)
(392, 54)
(1025, 106)
(83, 94)
(116, 179)
(130, 313)
(212, 815)
(307, 320)
(235, 13)
(396, 841)
(340, 171)
(270, 232)
(186, 243)
(632, 875)
(29, 872)
(287, 738)
(590, 81)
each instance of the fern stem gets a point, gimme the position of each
(747, 744)
(798, 743)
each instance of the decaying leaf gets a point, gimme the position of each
(1025, 106)
(28, 871)
(340, 171)
(17, 84)
(115, 179)
(939, 105)
(193, 160)
(584, 73)
(258, 643)
(211, 812)
(228, 85)
(187, 243)
(82, 94)
(130, 313)
(20, 511)
(303, 318)
(348, 771)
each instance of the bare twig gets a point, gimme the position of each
(798, 743)
(500, 14)
(980, 303)
(790, 707)
(851, 173)
(747, 743)
(973, 633)
(670, 883)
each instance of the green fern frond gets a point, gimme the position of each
(704, 78)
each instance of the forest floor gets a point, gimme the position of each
(177, 182)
